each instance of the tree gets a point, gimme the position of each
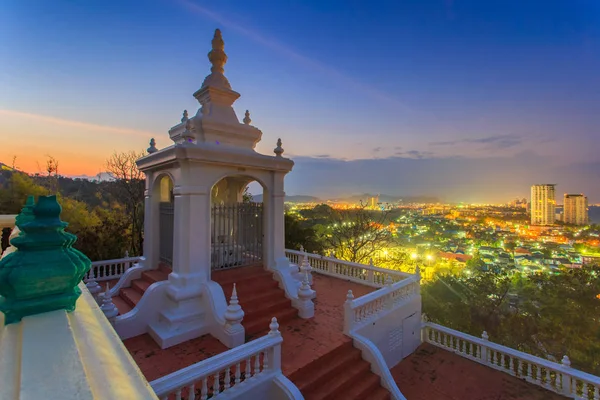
(130, 192)
(299, 234)
(247, 196)
(358, 234)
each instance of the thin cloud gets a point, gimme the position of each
(286, 51)
(77, 124)
(377, 149)
(496, 142)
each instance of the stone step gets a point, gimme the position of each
(251, 288)
(321, 372)
(155, 275)
(229, 277)
(257, 301)
(131, 296)
(339, 374)
(121, 305)
(267, 309)
(368, 387)
(259, 326)
(141, 285)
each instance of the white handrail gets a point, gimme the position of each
(107, 270)
(255, 360)
(366, 274)
(559, 378)
(371, 306)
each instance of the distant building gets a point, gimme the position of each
(575, 209)
(543, 204)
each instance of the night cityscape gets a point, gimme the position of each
(300, 200)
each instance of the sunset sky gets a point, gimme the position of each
(469, 100)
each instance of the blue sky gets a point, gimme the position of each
(413, 85)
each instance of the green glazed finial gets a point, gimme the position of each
(26, 214)
(43, 274)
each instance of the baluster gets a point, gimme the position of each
(519, 367)
(584, 391)
(493, 357)
(227, 379)
(256, 364)
(192, 390)
(547, 382)
(248, 369)
(204, 389)
(511, 365)
(178, 394)
(596, 392)
(529, 372)
(265, 361)
(538, 374)
(238, 373)
(215, 385)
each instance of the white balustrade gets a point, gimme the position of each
(366, 274)
(258, 360)
(371, 306)
(107, 270)
(559, 378)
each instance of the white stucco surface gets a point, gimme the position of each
(60, 355)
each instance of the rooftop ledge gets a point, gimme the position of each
(75, 355)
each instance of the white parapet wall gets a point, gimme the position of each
(249, 371)
(68, 356)
(559, 378)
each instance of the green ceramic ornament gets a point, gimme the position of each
(43, 274)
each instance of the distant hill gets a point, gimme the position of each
(365, 198)
(385, 198)
(291, 199)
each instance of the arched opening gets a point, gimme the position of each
(237, 221)
(166, 223)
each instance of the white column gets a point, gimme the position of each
(151, 230)
(277, 227)
(191, 248)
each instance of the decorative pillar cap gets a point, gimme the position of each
(152, 148)
(278, 150)
(44, 272)
(484, 335)
(247, 119)
(274, 327)
(349, 296)
(185, 116)
(566, 361)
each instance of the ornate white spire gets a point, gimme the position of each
(185, 116)
(217, 58)
(234, 313)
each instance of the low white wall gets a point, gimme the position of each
(396, 333)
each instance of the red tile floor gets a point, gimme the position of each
(431, 373)
(304, 340)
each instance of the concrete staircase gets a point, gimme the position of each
(259, 295)
(130, 296)
(339, 374)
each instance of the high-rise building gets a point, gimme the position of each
(543, 204)
(575, 209)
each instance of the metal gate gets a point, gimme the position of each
(166, 226)
(236, 235)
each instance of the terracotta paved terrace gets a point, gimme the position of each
(431, 373)
(304, 340)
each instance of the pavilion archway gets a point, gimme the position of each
(237, 223)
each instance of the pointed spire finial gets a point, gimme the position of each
(185, 116)
(349, 296)
(217, 56)
(278, 150)
(247, 119)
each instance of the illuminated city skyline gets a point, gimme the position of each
(466, 102)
